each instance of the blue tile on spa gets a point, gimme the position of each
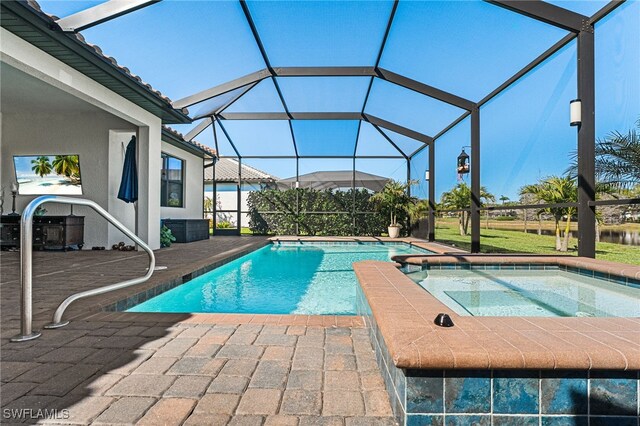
(613, 421)
(614, 393)
(421, 420)
(472, 420)
(424, 392)
(565, 421)
(467, 391)
(515, 421)
(563, 392)
(515, 392)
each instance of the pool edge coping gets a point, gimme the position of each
(404, 313)
(615, 269)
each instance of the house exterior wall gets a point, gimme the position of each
(49, 134)
(192, 190)
(124, 212)
(56, 134)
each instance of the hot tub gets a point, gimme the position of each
(550, 292)
(564, 366)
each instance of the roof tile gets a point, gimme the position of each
(97, 49)
(227, 171)
(194, 143)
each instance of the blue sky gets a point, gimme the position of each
(465, 47)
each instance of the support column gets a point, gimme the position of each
(353, 198)
(432, 191)
(239, 198)
(408, 176)
(214, 206)
(297, 195)
(408, 224)
(586, 145)
(203, 187)
(149, 169)
(475, 180)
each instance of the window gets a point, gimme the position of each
(172, 182)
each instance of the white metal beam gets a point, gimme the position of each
(198, 129)
(101, 13)
(222, 89)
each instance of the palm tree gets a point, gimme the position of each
(459, 198)
(529, 199)
(419, 210)
(208, 204)
(617, 159)
(393, 199)
(41, 165)
(67, 165)
(504, 198)
(553, 190)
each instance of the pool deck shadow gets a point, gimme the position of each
(148, 368)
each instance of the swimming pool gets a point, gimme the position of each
(283, 278)
(540, 293)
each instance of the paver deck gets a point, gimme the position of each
(203, 369)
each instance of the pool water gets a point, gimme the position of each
(279, 279)
(540, 293)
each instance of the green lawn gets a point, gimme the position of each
(508, 241)
(503, 241)
(243, 231)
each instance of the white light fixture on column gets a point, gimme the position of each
(426, 175)
(575, 108)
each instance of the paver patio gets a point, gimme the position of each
(123, 368)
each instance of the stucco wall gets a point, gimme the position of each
(87, 136)
(124, 212)
(48, 134)
(193, 192)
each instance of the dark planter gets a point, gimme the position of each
(188, 230)
(420, 228)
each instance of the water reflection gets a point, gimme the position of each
(624, 237)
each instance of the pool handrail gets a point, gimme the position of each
(26, 264)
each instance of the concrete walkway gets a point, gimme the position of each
(127, 368)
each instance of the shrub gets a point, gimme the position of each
(324, 212)
(504, 218)
(166, 237)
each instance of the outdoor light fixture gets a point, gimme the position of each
(463, 163)
(297, 184)
(426, 175)
(14, 192)
(575, 108)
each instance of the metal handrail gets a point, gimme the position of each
(26, 267)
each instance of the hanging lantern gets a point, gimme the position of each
(463, 163)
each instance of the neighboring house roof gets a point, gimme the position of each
(26, 20)
(227, 171)
(176, 139)
(336, 179)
